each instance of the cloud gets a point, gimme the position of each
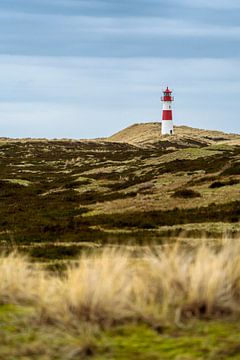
(85, 68)
(120, 8)
(92, 97)
(87, 7)
(80, 26)
(114, 36)
(29, 119)
(213, 4)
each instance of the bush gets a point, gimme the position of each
(186, 194)
(232, 170)
(228, 212)
(233, 182)
(218, 184)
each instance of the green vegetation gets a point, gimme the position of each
(200, 340)
(186, 194)
(111, 306)
(218, 184)
(233, 169)
(47, 188)
(62, 199)
(23, 339)
(228, 212)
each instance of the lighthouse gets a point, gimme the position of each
(167, 119)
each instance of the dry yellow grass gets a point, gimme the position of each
(145, 134)
(163, 284)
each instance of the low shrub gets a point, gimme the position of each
(218, 184)
(228, 212)
(234, 169)
(186, 194)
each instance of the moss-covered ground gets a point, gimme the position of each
(202, 340)
(22, 338)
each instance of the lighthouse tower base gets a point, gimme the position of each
(167, 127)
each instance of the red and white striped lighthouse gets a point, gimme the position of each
(167, 119)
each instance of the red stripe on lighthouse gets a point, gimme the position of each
(167, 115)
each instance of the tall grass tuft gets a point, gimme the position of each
(17, 279)
(168, 283)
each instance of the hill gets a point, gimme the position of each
(148, 135)
(62, 198)
(57, 197)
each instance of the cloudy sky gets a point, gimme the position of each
(88, 68)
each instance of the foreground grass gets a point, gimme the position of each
(22, 337)
(203, 340)
(173, 302)
(110, 286)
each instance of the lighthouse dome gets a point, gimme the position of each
(168, 91)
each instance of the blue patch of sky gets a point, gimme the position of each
(91, 67)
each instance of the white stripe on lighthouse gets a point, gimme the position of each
(167, 127)
(167, 105)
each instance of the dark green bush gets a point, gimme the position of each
(216, 184)
(233, 182)
(55, 252)
(228, 212)
(186, 194)
(234, 169)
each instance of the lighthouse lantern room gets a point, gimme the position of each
(167, 119)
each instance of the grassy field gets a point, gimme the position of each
(121, 206)
(54, 193)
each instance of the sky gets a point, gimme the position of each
(89, 68)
